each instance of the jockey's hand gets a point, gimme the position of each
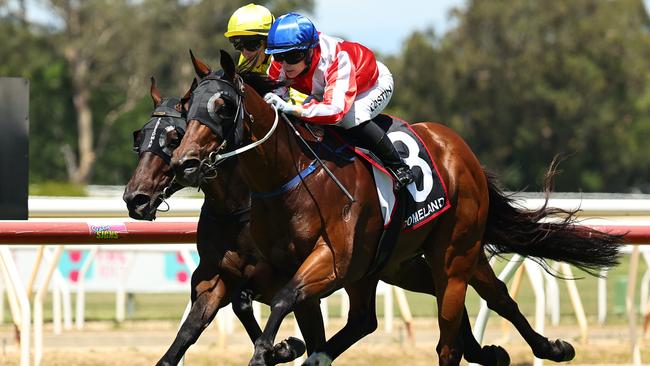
(281, 105)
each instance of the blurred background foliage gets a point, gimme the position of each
(520, 80)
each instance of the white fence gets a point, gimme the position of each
(633, 213)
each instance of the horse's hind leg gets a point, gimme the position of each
(415, 275)
(452, 253)
(285, 351)
(310, 320)
(451, 287)
(495, 292)
(209, 293)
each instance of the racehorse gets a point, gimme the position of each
(152, 180)
(229, 268)
(326, 241)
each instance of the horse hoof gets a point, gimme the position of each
(558, 351)
(497, 356)
(318, 359)
(288, 350)
(491, 355)
(564, 351)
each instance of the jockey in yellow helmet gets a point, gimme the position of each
(248, 28)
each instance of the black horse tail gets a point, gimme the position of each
(547, 233)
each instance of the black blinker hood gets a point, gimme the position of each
(209, 89)
(163, 118)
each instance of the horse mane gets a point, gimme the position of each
(260, 82)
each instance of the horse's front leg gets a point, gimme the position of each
(314, 278)
(362, 320)
(209, 293)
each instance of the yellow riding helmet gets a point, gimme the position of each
(250, 20)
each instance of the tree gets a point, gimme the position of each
(539, 78)
(423, 83)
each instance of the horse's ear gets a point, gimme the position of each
(227, 65)
(201, 69)
(155, 93)
(188, 94)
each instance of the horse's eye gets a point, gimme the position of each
(226, 110)
(170, 139)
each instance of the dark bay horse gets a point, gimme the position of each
(229, 269)
(325, 242)
(144, 193)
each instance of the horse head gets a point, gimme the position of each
(216, 122)
(154, 143)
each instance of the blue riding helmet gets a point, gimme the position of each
(290, 32)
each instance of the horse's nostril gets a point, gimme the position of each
(187, 171)
(140, 200)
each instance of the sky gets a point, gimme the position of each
(380, 24)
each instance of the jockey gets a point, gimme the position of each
(248, 28)
(346, 85)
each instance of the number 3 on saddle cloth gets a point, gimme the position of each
(427, 196)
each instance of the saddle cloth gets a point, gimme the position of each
(427, 196)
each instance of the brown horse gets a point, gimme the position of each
(152, 180)
(229, 268)
(316, 235)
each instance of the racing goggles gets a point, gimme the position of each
(291, 57)
(250, 44)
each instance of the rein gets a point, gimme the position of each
(215, 159)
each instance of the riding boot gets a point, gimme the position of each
(375, 139)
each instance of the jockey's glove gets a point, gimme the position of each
(282, 105)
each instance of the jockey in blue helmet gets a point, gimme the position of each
(346, 85)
